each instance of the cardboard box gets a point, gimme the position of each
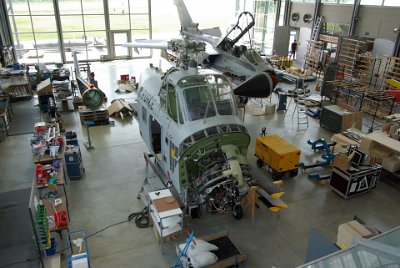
(342, 161)
(391, 163)
(366, 144)
(270, 108)
(347, 231)
(378, 153)
(44, 87)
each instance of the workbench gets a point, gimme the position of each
(5, 112)
(165, 213)
(380, 145)
(343, 142)
(61, 181)
(15, 83)
(51, 209)
(47, 159)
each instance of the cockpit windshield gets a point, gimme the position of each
(207, 97)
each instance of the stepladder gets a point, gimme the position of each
(299, 109)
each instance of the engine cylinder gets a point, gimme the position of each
(93, 98)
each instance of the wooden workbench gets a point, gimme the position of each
(47, 159)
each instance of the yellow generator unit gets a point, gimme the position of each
(278, 155)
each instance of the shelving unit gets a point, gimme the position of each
(349, 56)
(312, 57)
(391, 71)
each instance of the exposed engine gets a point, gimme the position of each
(218, 182)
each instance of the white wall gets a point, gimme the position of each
(378, 22)
(302, 9)
(304, 36)
(375, 22)
(382, 47)
(281, 40)
(337, 13)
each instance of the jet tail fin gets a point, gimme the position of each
(187, 23)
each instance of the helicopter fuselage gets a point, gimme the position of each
(191, 122)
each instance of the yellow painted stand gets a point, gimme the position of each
(253, 195)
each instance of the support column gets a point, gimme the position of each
(286, 16)
(278, 12)
(59, 31)
(354, 18)
(396, 50)
(317, 12)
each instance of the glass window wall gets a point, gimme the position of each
(83, 27)
(265, 12)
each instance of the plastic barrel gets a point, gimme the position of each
(93, 98)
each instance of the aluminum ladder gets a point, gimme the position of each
(302, 117)
(317, 28)
(300, 109)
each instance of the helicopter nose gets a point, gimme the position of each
(259, 86)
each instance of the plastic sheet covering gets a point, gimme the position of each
(374, 255)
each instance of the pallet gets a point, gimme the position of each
(98, 116)
(311, 103)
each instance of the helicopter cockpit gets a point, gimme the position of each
(207, 96)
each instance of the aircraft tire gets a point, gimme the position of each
(260, 163)
(293, 172)
(237, 212)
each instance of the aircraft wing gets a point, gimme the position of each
(215, 31)
(210, 50)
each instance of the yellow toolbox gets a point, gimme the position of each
(278, 155)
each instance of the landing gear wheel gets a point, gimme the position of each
(237, 212)
(293, 172)
(260, 163)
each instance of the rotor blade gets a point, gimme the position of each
(259, 86)
(161, 44)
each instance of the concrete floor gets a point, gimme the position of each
(115, 171)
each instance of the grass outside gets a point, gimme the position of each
(165, 19)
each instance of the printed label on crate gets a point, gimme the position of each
(353, 187)
(363, 184)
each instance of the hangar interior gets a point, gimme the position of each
(133, 128)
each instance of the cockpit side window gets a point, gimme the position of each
(222, 93)
(172, 105)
